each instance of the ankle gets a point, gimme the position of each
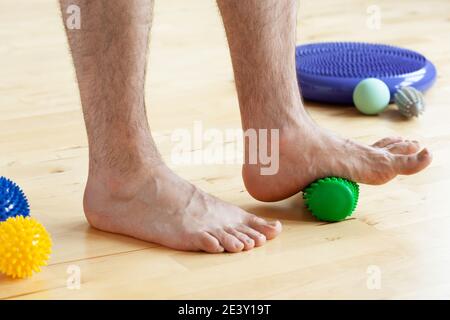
(285, 116)
(282, 122)
(116, 183)
(107, 190)
(289, 132)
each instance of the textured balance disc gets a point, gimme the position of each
(332, 198)
(329, 71)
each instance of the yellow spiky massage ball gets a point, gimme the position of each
(25, 246)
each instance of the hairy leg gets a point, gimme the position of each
(129, 189)
(261, 37)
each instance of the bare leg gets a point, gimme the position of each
(261, 37)
(129, 190)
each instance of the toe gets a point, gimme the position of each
(413, 163)
(228, 241)
(404, 147)
(387, 141)
(269, 229)
(207, 242)
(248, 242)
(258, 237)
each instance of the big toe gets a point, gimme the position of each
(269, 229)
(412, 163)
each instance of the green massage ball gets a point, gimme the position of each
(371, 96)
(332, 198)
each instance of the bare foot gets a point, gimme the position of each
(156, 205)
(262, 49)
(308, 152)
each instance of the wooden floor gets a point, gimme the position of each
(399, 232)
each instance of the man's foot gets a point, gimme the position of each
(308, 152)
(262, 48)
(156, 205)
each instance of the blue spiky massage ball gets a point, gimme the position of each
(12, 200)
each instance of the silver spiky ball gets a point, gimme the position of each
(409, 101)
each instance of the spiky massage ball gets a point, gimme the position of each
(332, 198)
(410, 102)
(12, 200)
(25, 246)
